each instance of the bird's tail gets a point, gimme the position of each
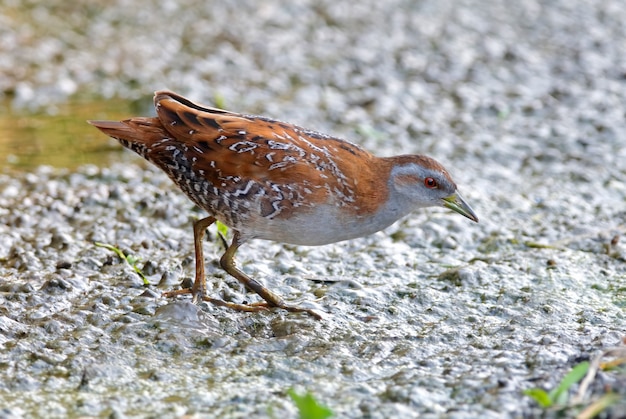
(137, 134)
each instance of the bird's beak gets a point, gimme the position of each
(457, 204)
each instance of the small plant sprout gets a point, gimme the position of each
(308, 407)
(583, 373)
(558, 396)
(219, 100)
(222, 231)
(132, 260)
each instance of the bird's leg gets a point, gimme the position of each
(198, 290)
(271, 299)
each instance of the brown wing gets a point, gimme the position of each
(218, 158)
(257, 147)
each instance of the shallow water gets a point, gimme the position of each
(59, 136)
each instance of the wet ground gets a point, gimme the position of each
(434, 317)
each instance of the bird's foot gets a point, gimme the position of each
(252, 307)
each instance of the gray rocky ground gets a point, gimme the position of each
(434, 317)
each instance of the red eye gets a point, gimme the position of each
(430, 183)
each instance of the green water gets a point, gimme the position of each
(60, 136)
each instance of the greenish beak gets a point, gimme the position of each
(457, 204)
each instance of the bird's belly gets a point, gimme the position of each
(284, 213)
(314, 227)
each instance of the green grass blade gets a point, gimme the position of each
(308, 407)
(221, 228)
(559, 394)
(114, 249)
(540, 396)
(219, 100)
(130, 260)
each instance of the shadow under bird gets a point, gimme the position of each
(267, 179)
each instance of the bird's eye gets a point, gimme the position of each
(430, 183)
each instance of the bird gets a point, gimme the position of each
(271, 180)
